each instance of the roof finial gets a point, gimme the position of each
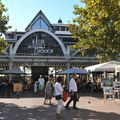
(59, 21)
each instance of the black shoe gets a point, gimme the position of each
(67, 108)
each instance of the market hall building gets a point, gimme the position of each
(41, 46)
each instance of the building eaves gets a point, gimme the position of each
(59, 24)
(63, 33)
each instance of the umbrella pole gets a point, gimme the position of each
(68, 77)
(10, 77)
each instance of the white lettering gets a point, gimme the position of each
(39, 46)
(44, 50)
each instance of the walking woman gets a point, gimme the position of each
(58, 93)
(48, 92)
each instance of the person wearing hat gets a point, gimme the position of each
(73, 92)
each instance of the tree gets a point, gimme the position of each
(3, 26)
(97, 28)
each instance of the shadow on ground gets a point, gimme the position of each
(13, 112)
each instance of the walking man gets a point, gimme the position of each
(73, 92)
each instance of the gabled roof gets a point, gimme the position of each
(40, 14)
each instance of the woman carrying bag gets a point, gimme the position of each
(58, 93)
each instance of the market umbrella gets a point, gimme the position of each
(72, 71)
(13, 71)
(107, 66)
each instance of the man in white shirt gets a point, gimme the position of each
(73, 92)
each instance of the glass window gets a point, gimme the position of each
(57, 28)
(62, 28)
(68, 39)
(44, 25)
(66, 28)
(11, 36)
(36, 25)
(40, 24)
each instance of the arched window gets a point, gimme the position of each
(40, 43)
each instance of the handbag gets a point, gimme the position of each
(65, 96)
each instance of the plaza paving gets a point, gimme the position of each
(32, 108)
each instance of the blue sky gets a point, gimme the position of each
(21, 12)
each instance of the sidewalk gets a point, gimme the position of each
(33, 109)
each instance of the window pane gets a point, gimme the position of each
(62, 28)
(44, 25)
(36, 25)
(57, 28)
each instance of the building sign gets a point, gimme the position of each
(40, 43)
(39, 46)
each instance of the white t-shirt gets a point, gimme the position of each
(58, 90)
(72, 85)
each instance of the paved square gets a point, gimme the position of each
(33, 109)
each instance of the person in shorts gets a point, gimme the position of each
(58, 93)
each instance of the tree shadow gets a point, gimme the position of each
(23, 94)
(14, 112)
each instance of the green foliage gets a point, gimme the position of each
(3, 18)
(3, 26)
(97, 27)
(3, 44)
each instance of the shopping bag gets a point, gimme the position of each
(65, 96)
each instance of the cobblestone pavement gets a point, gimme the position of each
(33, 109)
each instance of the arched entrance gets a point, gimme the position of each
(40, 45)
(37, 71)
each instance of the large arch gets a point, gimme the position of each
(39, 30)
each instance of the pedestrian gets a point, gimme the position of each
(41, 83)
(35, 86)
(73, 92)
(58, 93)
(48, 91)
